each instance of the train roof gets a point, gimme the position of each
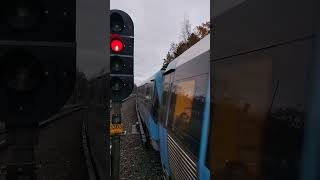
(148, 80)
(199, 48)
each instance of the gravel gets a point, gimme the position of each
(136, 161)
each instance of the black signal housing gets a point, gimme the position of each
(121, 58)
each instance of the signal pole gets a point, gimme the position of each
(115, 159)
(121, 66)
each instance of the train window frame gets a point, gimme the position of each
(196, 118)
(155, 103)
(209, 149)
(164, 106)
(147, 92)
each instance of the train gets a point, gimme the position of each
(250, 110)
(174, 105)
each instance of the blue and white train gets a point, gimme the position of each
(265, 96)
(174, 106)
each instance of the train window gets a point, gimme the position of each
(165, 98)
(155, 103)
(183, 107)
(147, 92)
(187, 111)
(171, 105)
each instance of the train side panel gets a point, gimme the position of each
(163, 132)
(259, 112)
(248, 25)
(262, 53)
(145, 104)
(185, 118)
(176, 114)
(149, 108)
(203, 163)
(155, 110)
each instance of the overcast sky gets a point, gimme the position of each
(157, 23)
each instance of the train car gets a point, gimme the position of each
(265, 97)
(261, 72)
(148, 102)
(177, 101)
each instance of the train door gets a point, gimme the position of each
(163, 116)
(153, 109)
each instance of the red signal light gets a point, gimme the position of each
(116, 45)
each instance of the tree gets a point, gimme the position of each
(170, 55)
(186, 30)
(203, 30)
(188, 39)
(193, 39)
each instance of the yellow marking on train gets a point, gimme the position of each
(116, 129)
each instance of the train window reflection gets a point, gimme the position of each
(183, 108)
(259, 114)
(147, 92)
(185, 124)
(165, 98)
(155, 103)
(185, 114)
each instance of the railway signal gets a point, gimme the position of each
(121, 67)
(37, 72)
(121, 60)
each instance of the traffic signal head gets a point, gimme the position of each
(121, 56)
(37, 59)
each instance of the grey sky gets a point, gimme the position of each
(157, 24)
